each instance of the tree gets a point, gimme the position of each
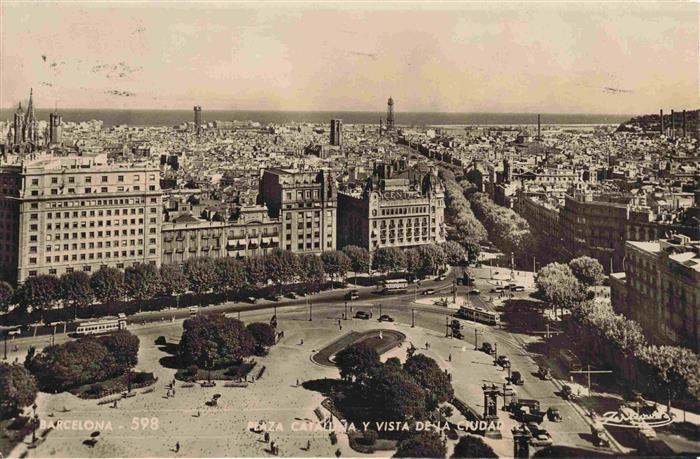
(558, 286)
(423, 444)
(39, 292)
(357, 361)
(255, 271)
(107, 284)
(674, 368)
(454, 252)
(472, 252)
(426, 372)
(262, 333)
(394, 395)
(141, 281)
(72, 364)
(471, 446)
(172, 280)
(281, 267)
(432, 258)
(17, 389)
(388, 259)
(336, 263)
(200, 274)
(213, 341)
(413, 261)
(311, 271)
(359, 258)
(76, 290)
(230, 273)
(6, 296)
(124, 346)
(587, 270)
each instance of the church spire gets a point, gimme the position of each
(30, 106)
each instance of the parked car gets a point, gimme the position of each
(385, 318)
(488, 348)
(274, 297)
(497, 290)
(509, 390)
(503, 361)
(441, 277)
(528, 414)
(457, 334)
(541, 439)
(251, 299)
(544, 373)
(292, 295)
(553, 414)
(428, 291)
(361, 315)
(455, 324)
(474, 291)
(516, 378)
(567, 393)
(352, 295)
(518, 288)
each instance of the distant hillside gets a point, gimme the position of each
(651, 123)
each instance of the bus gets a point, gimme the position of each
(476, 314)
(394, 286)
(570, 360)
(105, 325)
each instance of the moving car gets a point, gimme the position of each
(361, 315)
(428, 291)
(457, 334)
(385, 318)
(567, 393)
(503, 361)
(553, 414)
(474, 291)
(497, 290)
(516, 378)
(455, 324)
(251, 299)
(518, 288)
(352, 295)
(525, 413)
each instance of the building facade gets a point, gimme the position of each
(305, 203)
(251, 233)
(79, 213)
(392, 213)
(660, 289)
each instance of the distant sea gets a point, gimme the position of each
(172, 117)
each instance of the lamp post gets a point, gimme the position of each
(309, 302)
(495, 353)
(36, 421)
(413, 317)
(128, 380)
(447, 327)
(345, 314)
(6, 334)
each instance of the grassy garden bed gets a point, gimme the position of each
(12, 432)
(115, 385)
(232, 373)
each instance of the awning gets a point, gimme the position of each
(275, 239)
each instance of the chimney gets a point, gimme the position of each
(538, 127)
(661, 115)
(673, 125)
(684, 131)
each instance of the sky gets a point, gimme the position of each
(429, 56)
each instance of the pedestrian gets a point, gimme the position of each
(177, 447)
(301, 342)
(297, 382)
(198, 413)
(449, 358)
(115, 403)
(173, 392)
(308, 445)
(337, 452)
(266, 437)
(381, 335)
(370, 314)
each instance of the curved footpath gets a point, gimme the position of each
(390, 339)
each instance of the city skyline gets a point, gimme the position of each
(534, 57)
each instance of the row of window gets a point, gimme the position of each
(88, 179)
(93, 245)
(104, 189)
(86, 268)
(406, 210)
(93, 256)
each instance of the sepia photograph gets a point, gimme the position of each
(349, 229)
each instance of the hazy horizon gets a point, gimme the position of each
(566, 58)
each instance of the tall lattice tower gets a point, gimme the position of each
(390, 114)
